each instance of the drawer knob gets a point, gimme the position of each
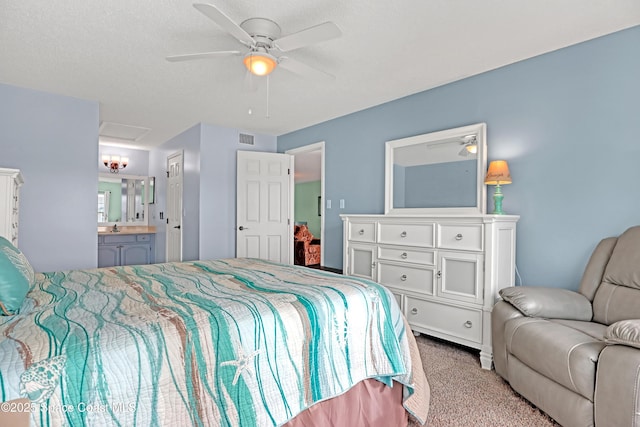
(468, 324)
(458, 236)
(403, 234)
(403, 277)
(403, 255)
(361, 232)
(414, 311)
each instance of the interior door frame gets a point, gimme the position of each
(181, 215)
(305, 149)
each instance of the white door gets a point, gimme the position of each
(264, 206)
(174, 206)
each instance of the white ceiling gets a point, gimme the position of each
(307, 166)
(113, 51)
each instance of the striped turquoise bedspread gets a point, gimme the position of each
(235, 342)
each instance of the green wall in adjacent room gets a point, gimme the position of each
(306, 205)
(115, 200)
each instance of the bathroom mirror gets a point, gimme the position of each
(438, 172)
(123, 199)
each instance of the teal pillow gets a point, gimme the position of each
(16, 277)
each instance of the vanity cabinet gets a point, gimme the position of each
(444, 270)
(125, 249)
(10, 182)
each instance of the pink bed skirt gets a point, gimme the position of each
(368, 403)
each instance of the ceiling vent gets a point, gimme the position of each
(246, 139)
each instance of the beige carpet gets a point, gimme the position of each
(463, 394)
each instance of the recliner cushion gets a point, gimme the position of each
(622, 268)
(615, 302)
(566, 352)
(618, 296)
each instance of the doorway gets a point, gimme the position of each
(175, 163)
(309, 162)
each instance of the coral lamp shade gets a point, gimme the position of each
(259, 63)
(498, 173)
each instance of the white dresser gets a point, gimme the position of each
(445, 270)
(10, 182)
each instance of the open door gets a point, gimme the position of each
(264, 206)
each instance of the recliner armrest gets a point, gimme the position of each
(549, 303)
(626, 332)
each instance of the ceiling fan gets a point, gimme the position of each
(263, 39)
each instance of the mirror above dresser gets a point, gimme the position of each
(435, 249)
(437, 173)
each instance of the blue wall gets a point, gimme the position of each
(53, 140)
(218, 148)
(568, 123)
(209, 198)
(189, 143)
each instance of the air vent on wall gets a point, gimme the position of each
(246, 139)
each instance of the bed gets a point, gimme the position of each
(233, 342)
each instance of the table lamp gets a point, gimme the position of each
(497, 175)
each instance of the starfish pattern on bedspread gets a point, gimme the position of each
(242, 363)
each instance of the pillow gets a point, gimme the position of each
(302, 234)
(16, 277)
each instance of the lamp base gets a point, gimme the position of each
(497, 201)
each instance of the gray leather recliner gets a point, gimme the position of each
(576, 355)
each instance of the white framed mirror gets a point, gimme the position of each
(437, 173)
(123, 199)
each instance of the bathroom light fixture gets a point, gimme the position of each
(497, 175)
(259, 62)
(115, 163)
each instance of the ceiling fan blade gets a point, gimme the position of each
(217, 16)
(312, 35)
(203, 55)
(303, 69)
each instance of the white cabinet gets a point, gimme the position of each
(10, 182)
(445, 271)
(363, 257)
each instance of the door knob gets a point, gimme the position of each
(242, 228)
(176, 226)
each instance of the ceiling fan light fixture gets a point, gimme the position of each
(260, 63)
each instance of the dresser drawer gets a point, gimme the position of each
(406, 278)
(468, 237)
(407, 234)
(459, 322)
(362, 231)
(407, 255)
